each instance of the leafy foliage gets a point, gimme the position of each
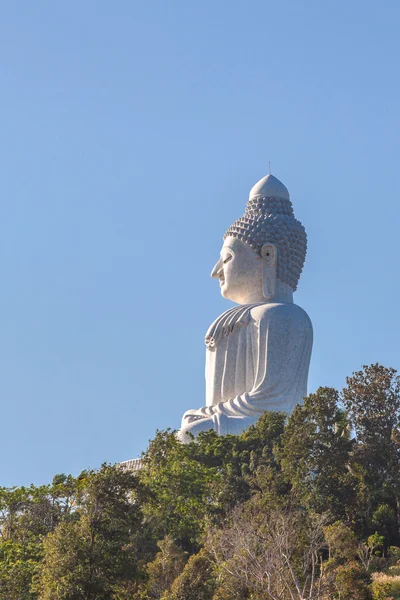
(305, 506)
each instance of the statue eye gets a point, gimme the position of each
(227, 259)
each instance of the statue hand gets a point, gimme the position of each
(193, 415)
(192, 425)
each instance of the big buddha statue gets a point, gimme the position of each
(257, 353)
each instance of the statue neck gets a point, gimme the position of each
(283, 294)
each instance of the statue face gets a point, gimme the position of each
(239, 271)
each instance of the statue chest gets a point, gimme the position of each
(231, 355)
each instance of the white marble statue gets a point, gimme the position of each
(258, 353)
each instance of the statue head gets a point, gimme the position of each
(264, 251)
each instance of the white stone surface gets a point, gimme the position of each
(132, 465)
(269, 186)
(258, 353)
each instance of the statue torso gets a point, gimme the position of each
(262, 350)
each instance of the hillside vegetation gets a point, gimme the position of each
(293, 509)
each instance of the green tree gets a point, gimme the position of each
(316, 454)
(27, 515)
(179, 490)
(352, 582)
(342, 543)
(19, 564)
(189, 486)
(372, 400)
(197, 581)
(94, 554)
(305, 506)
(165, 568)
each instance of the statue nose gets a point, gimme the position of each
(216, 272)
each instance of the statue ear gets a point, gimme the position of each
(269, 257)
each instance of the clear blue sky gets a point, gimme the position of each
(131, 134)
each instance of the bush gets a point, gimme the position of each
(385, 587)
(352, 582)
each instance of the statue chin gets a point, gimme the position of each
(257, 353)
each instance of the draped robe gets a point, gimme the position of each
(257, 360)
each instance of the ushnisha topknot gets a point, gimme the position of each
(269, 218)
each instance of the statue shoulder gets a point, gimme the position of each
(280, 313)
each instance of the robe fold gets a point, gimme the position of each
(257, 360)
